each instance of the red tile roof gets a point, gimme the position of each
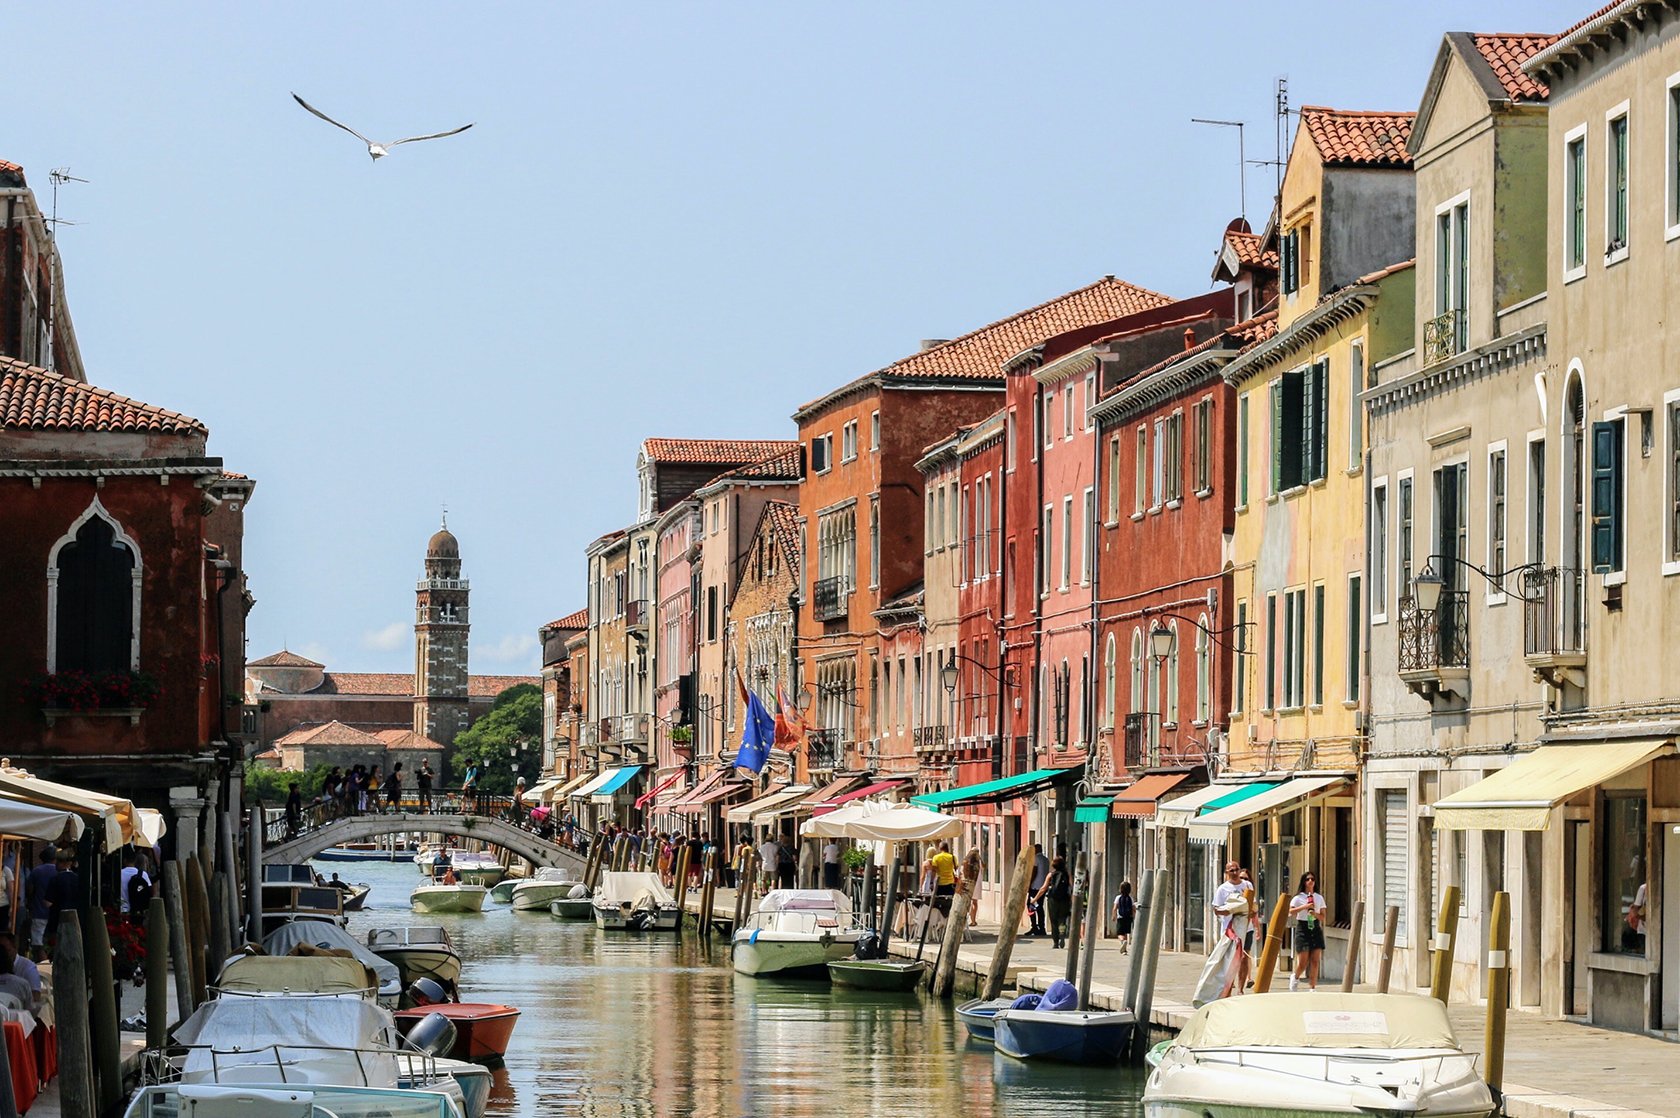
(406, 739)
(1505, 55)
(331, 733)
(1604, 11)
(782, 518)
(714, 452)
(979, 355)
(284, 659)
(576, 620)
(38, 399)
(784, 465)
(1249, 250)
(1384, 273)
(401, 684)
(1256, 330)
(9, 168)
(1360, 139)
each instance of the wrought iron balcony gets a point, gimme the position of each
(636, 615)
(931, 737)
(625, 729)
(1554, 624)
(1138, 752)
(1443, 337)
(831, 598)
(823, 750)
(1435, 645)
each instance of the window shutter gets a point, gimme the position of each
(1320, 430)
(1607, 496)
(1277, 437)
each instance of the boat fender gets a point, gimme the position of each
(753, 939)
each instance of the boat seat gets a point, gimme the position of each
(204, 1100)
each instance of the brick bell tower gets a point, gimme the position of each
(440, 642)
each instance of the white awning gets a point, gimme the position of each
(1216, 826)
(1179, 812)
(34, 821)
(1521, 796)
(745, 812)
(584, 791)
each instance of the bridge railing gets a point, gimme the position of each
(282, 826)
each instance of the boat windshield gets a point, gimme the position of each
(804, 900)
(281, 1101)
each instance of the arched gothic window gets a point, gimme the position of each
(93, 590)
(1109, 670)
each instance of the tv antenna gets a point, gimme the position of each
(1242, 161)
(60, 176)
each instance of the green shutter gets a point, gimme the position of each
(1607, 496)
(1277, 438)
(1320, 430)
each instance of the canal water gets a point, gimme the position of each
(646, 1025)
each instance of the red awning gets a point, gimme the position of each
(826, 806)
(646, 797)
(716, 787)
(1138, 800)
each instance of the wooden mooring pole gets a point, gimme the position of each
(1013, 906)
(179, 954)
(1498, 989)
(102, 1014)
(157, 973)
(1274, 944)
(1093, 928)
(70, 1004)
(1446, 942)
(1385, 962)
(1081, 886)
(1351, 967)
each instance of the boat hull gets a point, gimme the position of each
(1285, 1083)
(502, 893)
(353, 854)
(611, 919)
(530, 896)
(481, 875)
(764, 953)
(977, 1015)
(572, 908)
(432, 961)
(482, 1029)
(1067, 1036)
(876, 974)
(448, 898)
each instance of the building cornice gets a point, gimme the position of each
(1163, 384)
(1075, 364)
(208, 468)
(1605, 28)
(1490, 357)
(1343, 306)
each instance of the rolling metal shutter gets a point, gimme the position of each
(1396, 826)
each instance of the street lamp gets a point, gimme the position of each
(1426, 588)
(1161, 641)
(948, 676)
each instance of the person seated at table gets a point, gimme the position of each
(19, 967)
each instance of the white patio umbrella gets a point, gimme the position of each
(878, 822)
(22, 820)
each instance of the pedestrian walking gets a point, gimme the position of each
(831, 864)
(423, 784)
(1035, 909)
(393, 789)
(1056, 896)
(1308, 909)
(1125, 911)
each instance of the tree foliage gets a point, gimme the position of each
(514, 720)
(270, 786)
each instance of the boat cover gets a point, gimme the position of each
(1320, 1020)
(1062, 995)
(329, 936)
(552, 873)
(1026, 1001)
(297, 1024)
(618, 889)
(805, 900)
(294, 974)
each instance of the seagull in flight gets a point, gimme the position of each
(376, 150)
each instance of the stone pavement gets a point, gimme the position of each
(1553, 1069)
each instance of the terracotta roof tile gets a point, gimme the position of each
(576, 620)
(406, 739)
(1384, 273)
(1505, 55)
(40, 400)
(285, 658)
(1249, 250)
(1257, 329)
(331, 733)
(979, 355)
(784, 465)
(714, 452)
(401, 684)
(1360, 139)
(489, 686)
(782, 517)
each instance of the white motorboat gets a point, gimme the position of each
(281, 1100)
(538, 891)
(477, 867)
(635, 902)
(1311, 1055)
(796, 931)
(433, 898)
(304, 937)
(418, 952)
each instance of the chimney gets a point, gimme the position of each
(929, 343)
(1189, 339)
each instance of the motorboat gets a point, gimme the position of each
(1308, 1055)
(482, 1029)
(435, 898)
(356, 896)
(538, 891)
(502, 891)
(977, 1015)
(577, 904)
(314, 937)
(635, 902)
(1053, 1027)
(796, 931)
(293, 891)
(282, 1100)
(476, 867)
(878, 974)
(365, 852)
(418, 952)
(289, 975)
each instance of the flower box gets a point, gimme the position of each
(53, 714)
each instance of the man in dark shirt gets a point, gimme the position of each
(423, 784)
(64, 891)
(39, 878)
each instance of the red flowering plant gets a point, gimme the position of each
(128, 943)
(79, 690)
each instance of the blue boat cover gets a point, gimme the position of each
(1026, 1001)
(1062, 995)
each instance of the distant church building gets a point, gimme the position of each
(427, 710)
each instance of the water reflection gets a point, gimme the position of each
(624, 1026)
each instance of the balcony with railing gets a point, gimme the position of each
(831, 598)
(636, 615)
(1444, 337)
(824, 750)
(928, 738)
(624, 730)
(1554, 624)
(1138, 750)
(1435, 645)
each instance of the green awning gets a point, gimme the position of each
(1237, 795)
(993, 791)
(1093, 809)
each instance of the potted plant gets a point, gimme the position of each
(682, 735)
(854, 859)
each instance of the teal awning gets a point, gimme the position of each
(1093, 809)
(993, 791)
(619, 778)
(1237, 795)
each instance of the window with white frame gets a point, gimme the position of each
(1294, 648)
(1616, 185)
(1242, 450)
(1403, 534)
(1170, 699)
(1088, 538)
(849, 441)
(1110, 670)
(1010, 449)
(822, 453)
(953, 527)
(1049, 417)
(1174, 458)
(1379, 551)
(1496, 494)
(1575, 203)
(1270, 689)
(1355, 638)
(1067, 410)
(1452, 273)
(1140, 493)
(1090, 400)
(1113, 479)
(1607, 529)
(1203, 454)
(1318, 607)
(1038, 426)
(1136, 706)
(965, 546)
(1239, 661)
(939, 518)
(1671, 164)
(1671, 487)
(1356, 409)
(1204, 674)
(874, 430)
(874, 539)
(1158, 476)
(1067, 540)
(1046, 548)
(1536, 503)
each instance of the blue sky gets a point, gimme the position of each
(676, 220)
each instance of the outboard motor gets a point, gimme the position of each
(869, 946)
(577, 892)
(426, 991)
(432, 1035)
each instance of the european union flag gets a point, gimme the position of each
(757, 737)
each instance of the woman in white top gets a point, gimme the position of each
(1308, 908)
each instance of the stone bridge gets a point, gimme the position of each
(355, 828)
